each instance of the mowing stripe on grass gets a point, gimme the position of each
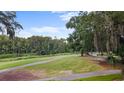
(31, 64)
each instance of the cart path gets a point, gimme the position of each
(35, 63)
(84, 75)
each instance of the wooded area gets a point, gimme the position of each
(35, 45)
(98, 31)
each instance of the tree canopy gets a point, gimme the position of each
(8, 23)
(36, 45)
(97, 31)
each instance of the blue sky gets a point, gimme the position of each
(44, 23)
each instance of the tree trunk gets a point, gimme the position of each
(95, 41)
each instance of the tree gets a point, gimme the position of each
(8, 23)
(97, 31)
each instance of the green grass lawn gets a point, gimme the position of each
(67, 65)
(13, 57)
(72, 64)
(18, 61)
(17, 58)
(23, 57)
(9, 64)
(103, 78)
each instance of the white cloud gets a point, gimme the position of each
(24, 34)
(59, 12)
(46, 29)
(68, 15)
(58, 32)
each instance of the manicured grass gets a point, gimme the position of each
(102, 78)
(18, 61)
(13, 62)
(4, 65)
(17, 58)
(72, 64)
(13, 57)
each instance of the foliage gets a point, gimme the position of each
(8, 23)
(111, 59)
(97, 31)
(34, 45)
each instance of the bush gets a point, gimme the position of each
(112, 59)
(13, 55)
(7, 55)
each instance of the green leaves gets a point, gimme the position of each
(96, 30)
(8, 22)
(35, 44)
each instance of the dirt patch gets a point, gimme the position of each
(103, 62)
(22, 75)
(66, 72)
(105, 65)
(17, 75)
(100, 61)
(39, 73)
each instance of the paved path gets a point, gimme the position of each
(35, 63)
(84, 75)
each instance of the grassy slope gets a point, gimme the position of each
(75, 64)
(102, 78)
(18, 61)
(12, 62)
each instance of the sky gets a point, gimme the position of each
(45, 23)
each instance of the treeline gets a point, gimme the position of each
(35, 44)
(98, 31)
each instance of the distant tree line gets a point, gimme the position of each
(35, 44)
(10, 44)
(97, 31)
